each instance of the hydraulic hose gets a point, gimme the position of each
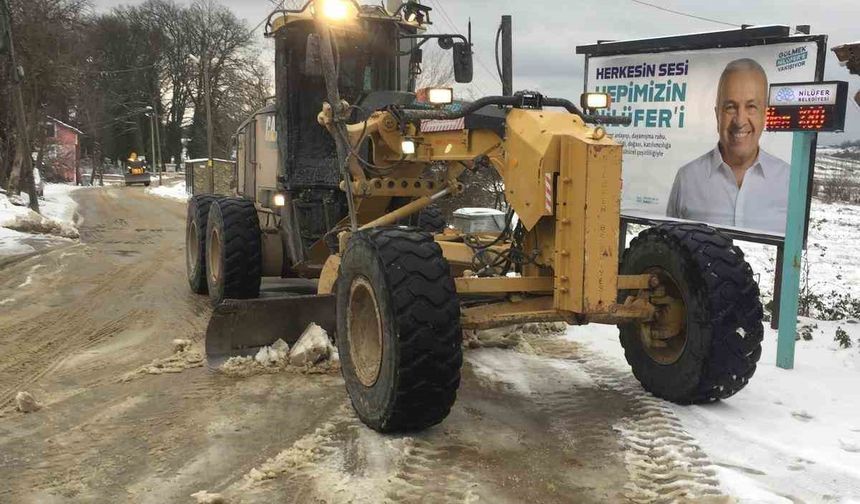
(412, 115)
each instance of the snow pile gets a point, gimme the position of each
(313, 353)
(173, 191)
(183, 358)
(181, 345)
(20, 227)
(204, 497)
(26, 403)
(33, 223)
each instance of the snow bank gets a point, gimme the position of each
(21, 228)
(174, 191)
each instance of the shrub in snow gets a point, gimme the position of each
(805, 332)
(842, 338)
(834, 306)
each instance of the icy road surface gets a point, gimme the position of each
(88, 330)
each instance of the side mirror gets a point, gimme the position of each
(462, 62)
(313, 60)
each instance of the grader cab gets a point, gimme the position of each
(328, 174)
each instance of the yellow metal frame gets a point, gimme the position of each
(562, 178)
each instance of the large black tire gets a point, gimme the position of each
(429, 219)
(195, 241)
(723, 326)
(233, 250)
(398, 328)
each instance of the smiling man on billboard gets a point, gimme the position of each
(737, 183)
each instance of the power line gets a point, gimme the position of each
(679, 13)
(126, 70)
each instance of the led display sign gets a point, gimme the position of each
(809, 106)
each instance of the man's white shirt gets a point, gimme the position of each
(706, 190)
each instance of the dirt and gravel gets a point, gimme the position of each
(127, 415)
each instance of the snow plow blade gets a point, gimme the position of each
(240, 327)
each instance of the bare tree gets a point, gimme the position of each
(221, 41)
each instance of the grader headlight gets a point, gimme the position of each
(595, 101)
(407, 147)
(335, 10)
(440, 96)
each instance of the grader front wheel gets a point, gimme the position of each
(705, 340)
(398, 326)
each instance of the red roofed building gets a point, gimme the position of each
(63, 149)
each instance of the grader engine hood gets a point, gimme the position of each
(558, 168)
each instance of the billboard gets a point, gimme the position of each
(697, 148)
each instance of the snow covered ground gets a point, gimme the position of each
(788, 433)
(832, 259)
(173, 191)
(58, 216)
(795, 434)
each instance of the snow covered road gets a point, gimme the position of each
(560, 419)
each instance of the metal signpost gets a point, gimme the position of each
(805, 109)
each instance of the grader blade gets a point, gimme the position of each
(240, 327)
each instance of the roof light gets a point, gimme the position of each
(335, 10)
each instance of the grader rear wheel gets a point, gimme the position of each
(398, 326)
(705, 340)
(195, 241)
(233, 250)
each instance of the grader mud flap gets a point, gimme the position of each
(240, 327)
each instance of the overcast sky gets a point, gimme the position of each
(546, 33)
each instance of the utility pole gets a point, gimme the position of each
(205, 62)
(18, 98)
(208, 92)
(151, 114)
(157, 143)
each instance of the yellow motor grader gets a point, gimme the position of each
(136, 171)
(328, 173)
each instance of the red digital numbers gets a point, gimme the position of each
(796, 118)
(777, 121)
(811, 117)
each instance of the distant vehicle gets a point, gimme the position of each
(39, 183)
(136, 171)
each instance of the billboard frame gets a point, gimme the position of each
(744, 37)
